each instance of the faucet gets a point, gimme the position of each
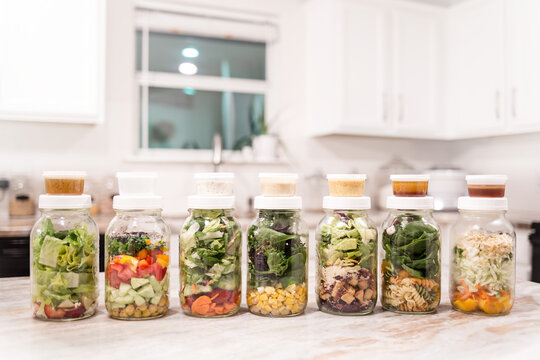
(217, 149)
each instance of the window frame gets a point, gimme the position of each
(163, 17)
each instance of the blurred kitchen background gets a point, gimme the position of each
(445, 87)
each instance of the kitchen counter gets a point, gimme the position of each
(314, 335)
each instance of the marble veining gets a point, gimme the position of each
(314, 335)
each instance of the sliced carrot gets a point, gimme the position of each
(220, 310)
(194, 288)
(201, 305)
(213, 297)
(142, 254)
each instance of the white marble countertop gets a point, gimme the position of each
(314, 335)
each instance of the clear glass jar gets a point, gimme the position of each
(411, 267)
(277, 264)
(210, 263)
(346, 263)
(64, 265)
(482, 263)
(136, 265)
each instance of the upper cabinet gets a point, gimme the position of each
(373, 67)
(403, 69)
(523, 88)
(52, 66)
(494, 51)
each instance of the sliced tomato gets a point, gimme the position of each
(53, 313)
(126, 274)
(149, 260)
(143, 268)
(113, 278)
(159, 271)
(116, 267)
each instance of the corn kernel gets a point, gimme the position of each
(281, 298)
(267, 308)
(264, 297)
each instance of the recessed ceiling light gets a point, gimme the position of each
(187, 68)
(190, 52)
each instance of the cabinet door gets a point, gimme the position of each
(365, 62)
(477, 37)
(416, 40)
(52, 63)
(524, 59)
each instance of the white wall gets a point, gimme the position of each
(104, 149)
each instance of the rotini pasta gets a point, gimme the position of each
(410, 294)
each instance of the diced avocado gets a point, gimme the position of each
(128, 299)
(124, 288)
(139, 300)
(155, 284)
(146, 291)
(114, 293)
(138, 282)
(155, 299)
(346, 244)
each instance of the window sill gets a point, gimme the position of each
(197, 157)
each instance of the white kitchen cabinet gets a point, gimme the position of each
(372, 67)
(477, 60)
(523, 88)
(416, 49)
(53, 60)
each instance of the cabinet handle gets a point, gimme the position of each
(497, 105)
(401, 109)
(514, 106)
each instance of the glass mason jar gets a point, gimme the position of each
(64, 262)
(210, 263)
(277, 263)
(136, 265)
(346, 263)
(411, 268)
(482, 262)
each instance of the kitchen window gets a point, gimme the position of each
(199, 73)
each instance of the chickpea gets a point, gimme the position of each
(130, 309)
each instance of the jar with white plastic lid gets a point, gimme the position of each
(210, 250)
(346, 257)
(137, 243)
(277, 258)
(64, 259)
(411, 248)
(482, 257)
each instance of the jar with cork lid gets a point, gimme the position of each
(411, 248)
(346, 249)
(210, 250)
(64, 253)
(277, 250)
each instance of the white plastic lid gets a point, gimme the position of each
(136, 183)
(358, 177)
(65, 202)
(221, 176)
(278, 177)
(64, 174)
(214, 184)
(137, 191)
(486, 179)
(137, 202)
(278, 202)
(410, 203)
(347, 203)
(410, 178)
(210, 202)
(487, 204)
